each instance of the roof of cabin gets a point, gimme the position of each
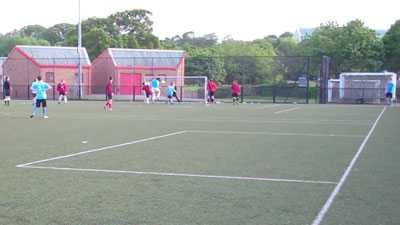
(50, 55)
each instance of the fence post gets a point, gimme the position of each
(242, 89)
(134, 94)
(308, 79)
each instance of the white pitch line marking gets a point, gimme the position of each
(283, 134)
(287, 110)
(207, 119)
(267, 106)
(181, 175)
(99, 149)
(331, 198)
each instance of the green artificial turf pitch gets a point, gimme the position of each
(192, 164)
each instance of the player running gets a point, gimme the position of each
(147, 92)
(62, 90)
(110, 95)
(40, 88)
(170, 93)
(235, 88)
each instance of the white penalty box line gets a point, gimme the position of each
(30, 164)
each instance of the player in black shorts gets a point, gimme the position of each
(7, 91)
(175, 94)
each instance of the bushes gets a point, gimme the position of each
(267, 90)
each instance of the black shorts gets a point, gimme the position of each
(211, 93)
(174, 94)
(148, 95)
(7, 92)
(41, 101)
(235, 95)
(109, 96)
(62, 93)
(389, 95)
(169, 97)
(34, 95)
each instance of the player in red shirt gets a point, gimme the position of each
(109, 95)
(211, 86)
(147, 92)
(62, 91)
(235, 88)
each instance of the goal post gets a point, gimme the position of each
(189, 88)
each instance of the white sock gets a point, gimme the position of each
(65, 99)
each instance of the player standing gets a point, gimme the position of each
(211, 86)
(147, 92)
(7, 91)
(40, 88)
(62, 90)
(170, 93)
(34, 92)
(110, 95)
(235, 88)
(389, 92)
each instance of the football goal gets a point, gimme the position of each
(365, 87)
(188, 88)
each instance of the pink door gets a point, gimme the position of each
(130, 82)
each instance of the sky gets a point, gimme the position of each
(242, 20)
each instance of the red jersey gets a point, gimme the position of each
(109, 87)
(235, 89)
(211, 86)
(62, 88)
(146, 88)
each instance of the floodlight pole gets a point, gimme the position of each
(79, 50)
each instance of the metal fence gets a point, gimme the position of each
(296, 79)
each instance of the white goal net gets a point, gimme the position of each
(188, 88)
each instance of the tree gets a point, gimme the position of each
(248, 62)
(97, 41)
(136, 22)
(32, 31)
(204, 62)
(56, 33)
(286, 46)
(391, 42)
(8, 43)
(352, 47)
(127, 29)
(205, 41)
(286, 35)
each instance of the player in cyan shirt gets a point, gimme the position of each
(389, 92)
(40, 88)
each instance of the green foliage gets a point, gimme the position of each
(391, 42)
(189, 38)
(247, 62)
(8, 43)
(205, 62)
(286, 46)
(348, 44)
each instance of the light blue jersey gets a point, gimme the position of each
(154, 83)
(170, 90)
(389, 87)
(40, 88)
